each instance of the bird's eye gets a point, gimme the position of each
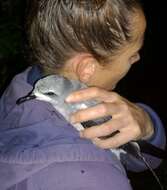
(50, 93)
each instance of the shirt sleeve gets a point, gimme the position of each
(158, 139)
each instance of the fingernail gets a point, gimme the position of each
(69, 98)
(81, 134)
(95, 140)
(72, 119)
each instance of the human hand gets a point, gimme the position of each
(132, 122)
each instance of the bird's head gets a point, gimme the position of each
(52, 88)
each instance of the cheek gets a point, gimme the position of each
(116, 75)
(122, 71)
(109, 77)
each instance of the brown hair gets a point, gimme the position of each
(58, 29)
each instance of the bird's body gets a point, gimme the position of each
(54, 89)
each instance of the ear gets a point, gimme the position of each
(85, 68)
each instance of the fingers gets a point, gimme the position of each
(99, 111)
(92, 93)
(127, 118)
(103, 130)
(114, 142)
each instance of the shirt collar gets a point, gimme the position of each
(34, 74)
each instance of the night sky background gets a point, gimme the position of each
(146, 81)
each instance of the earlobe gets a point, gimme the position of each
(86, 69)
(85, 78)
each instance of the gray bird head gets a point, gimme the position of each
(53, 89)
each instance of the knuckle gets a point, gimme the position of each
(129, 119)
(137, 131)
(107, 144)
(124, 107)
(115, 96)
(103, 108)
(116, 143)
(108, 129)
(125, 121)
(78, 116)
(103, 145)
(95, 90)
(87, 134)
(100, 143)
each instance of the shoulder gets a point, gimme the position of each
(27, 113)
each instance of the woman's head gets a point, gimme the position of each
(60, 29)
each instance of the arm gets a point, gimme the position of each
(133, 121)
(158, 139)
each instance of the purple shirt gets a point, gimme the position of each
(40, 150)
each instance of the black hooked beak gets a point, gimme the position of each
(25, 98)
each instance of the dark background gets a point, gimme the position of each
(146, 82)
